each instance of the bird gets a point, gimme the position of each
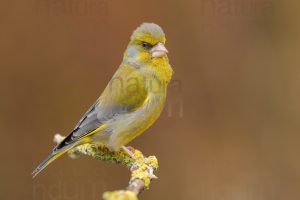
(132, 100)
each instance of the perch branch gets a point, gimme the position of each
(142, 168)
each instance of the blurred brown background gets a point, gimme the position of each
(230, 129)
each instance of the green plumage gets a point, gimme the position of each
(131, 102)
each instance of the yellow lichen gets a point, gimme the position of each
(141, 168)
(120, 195)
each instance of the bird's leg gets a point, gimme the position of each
(128, 152)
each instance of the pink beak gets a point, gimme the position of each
(158, 50)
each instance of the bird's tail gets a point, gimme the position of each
(53, 156)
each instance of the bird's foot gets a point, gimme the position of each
(128, 151)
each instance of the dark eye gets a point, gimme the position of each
(146, 45)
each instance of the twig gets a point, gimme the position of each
(142, 169)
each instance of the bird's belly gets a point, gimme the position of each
(126, 127)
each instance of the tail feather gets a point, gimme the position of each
(53, 156)
(56, 153)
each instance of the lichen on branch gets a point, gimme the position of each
(141, 168)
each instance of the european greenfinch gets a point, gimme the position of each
(132, 100)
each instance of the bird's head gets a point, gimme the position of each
(147, 44)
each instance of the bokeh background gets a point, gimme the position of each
(230, 128)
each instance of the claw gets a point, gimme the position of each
(150, 172)
(152, 176)
(128, 152)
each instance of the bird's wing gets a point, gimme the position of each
(124, 94)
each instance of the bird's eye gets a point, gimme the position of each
(146, 45)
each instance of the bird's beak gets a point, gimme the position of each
(158, 50)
